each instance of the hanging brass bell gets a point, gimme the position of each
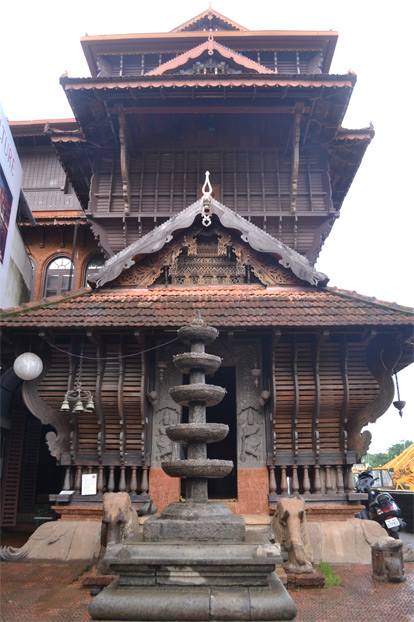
(78, 407)
(90, 406)
(65, 405)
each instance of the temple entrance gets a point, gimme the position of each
(225, 412)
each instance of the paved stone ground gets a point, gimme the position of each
(46, 592)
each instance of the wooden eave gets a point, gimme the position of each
(347, 152)
(178, 42)
(73, 154)
(37, 127)
(92, 99)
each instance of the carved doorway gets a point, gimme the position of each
(225, 412)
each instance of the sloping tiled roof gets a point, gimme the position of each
(227, 306)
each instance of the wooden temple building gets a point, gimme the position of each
(305, 366)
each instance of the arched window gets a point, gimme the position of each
(93, 266)
(59, 277)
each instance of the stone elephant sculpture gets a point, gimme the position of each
(288, 527)
(119, 520)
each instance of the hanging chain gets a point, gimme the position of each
(398, 387)
(78, 381)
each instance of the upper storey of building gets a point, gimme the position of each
(284, 52)
(258, 109)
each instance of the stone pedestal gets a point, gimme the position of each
(193, 581)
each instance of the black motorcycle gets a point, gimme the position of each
(380, 506)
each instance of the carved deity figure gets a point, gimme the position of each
(163, 443)
(250, 439)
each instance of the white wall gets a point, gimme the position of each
(15, 269)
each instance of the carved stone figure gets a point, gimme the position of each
(163, 443)
(250, 439)
(104, 67)
(289, 528)
(119, 520)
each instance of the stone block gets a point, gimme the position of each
(64, 541)
(344, 542)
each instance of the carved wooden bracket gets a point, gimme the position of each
(59, 441)
(382, 355)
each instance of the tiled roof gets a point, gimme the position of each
(227, 306)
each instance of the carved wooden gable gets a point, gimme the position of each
(206, 257)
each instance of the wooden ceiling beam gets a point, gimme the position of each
(123, 143)
(295, 156)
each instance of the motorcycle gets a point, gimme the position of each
(380, 506)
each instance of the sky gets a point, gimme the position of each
(370, 247)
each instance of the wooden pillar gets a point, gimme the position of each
(317, 486)
(144, 482)
(295, 479)
(111, 479)
(283, 482)
(133, 485)
(339, 479)
(78, 480)
(122, 480)
(306, 480)
(328, 479)
(67, 479)
(100, 483)
(350, 480)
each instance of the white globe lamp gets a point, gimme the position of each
(28, 366)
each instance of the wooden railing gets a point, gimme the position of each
(131, 479)
(307, 480)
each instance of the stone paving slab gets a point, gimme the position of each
(52, 592)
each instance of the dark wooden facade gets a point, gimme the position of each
(306, 366)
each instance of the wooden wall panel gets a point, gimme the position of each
(363, 388)
(284, 397)
(332, 395)
(306, 397)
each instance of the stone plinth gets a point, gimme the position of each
(195, 521)
(194, 582)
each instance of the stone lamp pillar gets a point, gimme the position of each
(197, 517)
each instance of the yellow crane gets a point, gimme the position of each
(398, 473)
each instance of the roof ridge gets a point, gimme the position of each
(44, 302)
(354, 295)
(212, 12)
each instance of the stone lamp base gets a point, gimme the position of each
(194, 581)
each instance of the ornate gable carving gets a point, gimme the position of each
(206, 257)
(209, 57)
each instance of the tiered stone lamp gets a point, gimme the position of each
(195, 561)
(197, 517)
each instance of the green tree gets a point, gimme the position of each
(377, 460)
(398, 448)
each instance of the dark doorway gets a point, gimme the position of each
(225, 412)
